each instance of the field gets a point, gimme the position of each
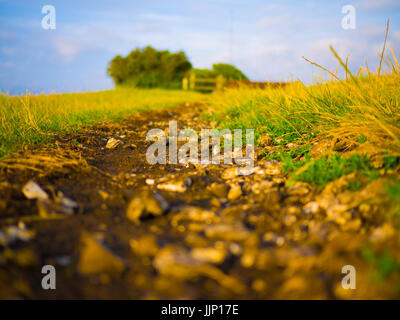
(325, 193)
(32, 119)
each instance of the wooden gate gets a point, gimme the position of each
(203, 84)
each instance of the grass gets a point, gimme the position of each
(384, 263)
(291, 153)
(393, 191)
(393, 198)
(32, 119)
(367, 103)
(362, 109)
(324, 170)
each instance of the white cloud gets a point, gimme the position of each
(273, 49)
(373, 31)
(68, 48)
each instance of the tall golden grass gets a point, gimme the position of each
(364, 105)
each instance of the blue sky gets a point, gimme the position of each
(265, 39)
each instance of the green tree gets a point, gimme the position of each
(118, 69)
(149, 68)
(203, 73)
(229, 71)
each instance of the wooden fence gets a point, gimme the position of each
(219, 83)
(207, 84)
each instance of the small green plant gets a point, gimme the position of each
(290, 165)
(299, 151)
(393, 191)
(324, 170)
(361, 139)
(292, 153)
(354, 186)
(391, 162)
(384, 263)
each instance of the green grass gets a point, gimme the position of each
(292, 153)
(362, 108)
(354, 186)
(324, 170)
(393, 197)
(393, 191)
(32, 119)
(385, 264)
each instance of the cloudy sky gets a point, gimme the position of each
(265, 39)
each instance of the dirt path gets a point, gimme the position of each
(222, 236)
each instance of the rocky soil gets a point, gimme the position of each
(116, 227)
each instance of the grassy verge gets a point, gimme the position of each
(364, 107)
(360, 113)
(31, 119)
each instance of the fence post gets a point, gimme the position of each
(185, 83)
(220, 82)
(192, 81)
